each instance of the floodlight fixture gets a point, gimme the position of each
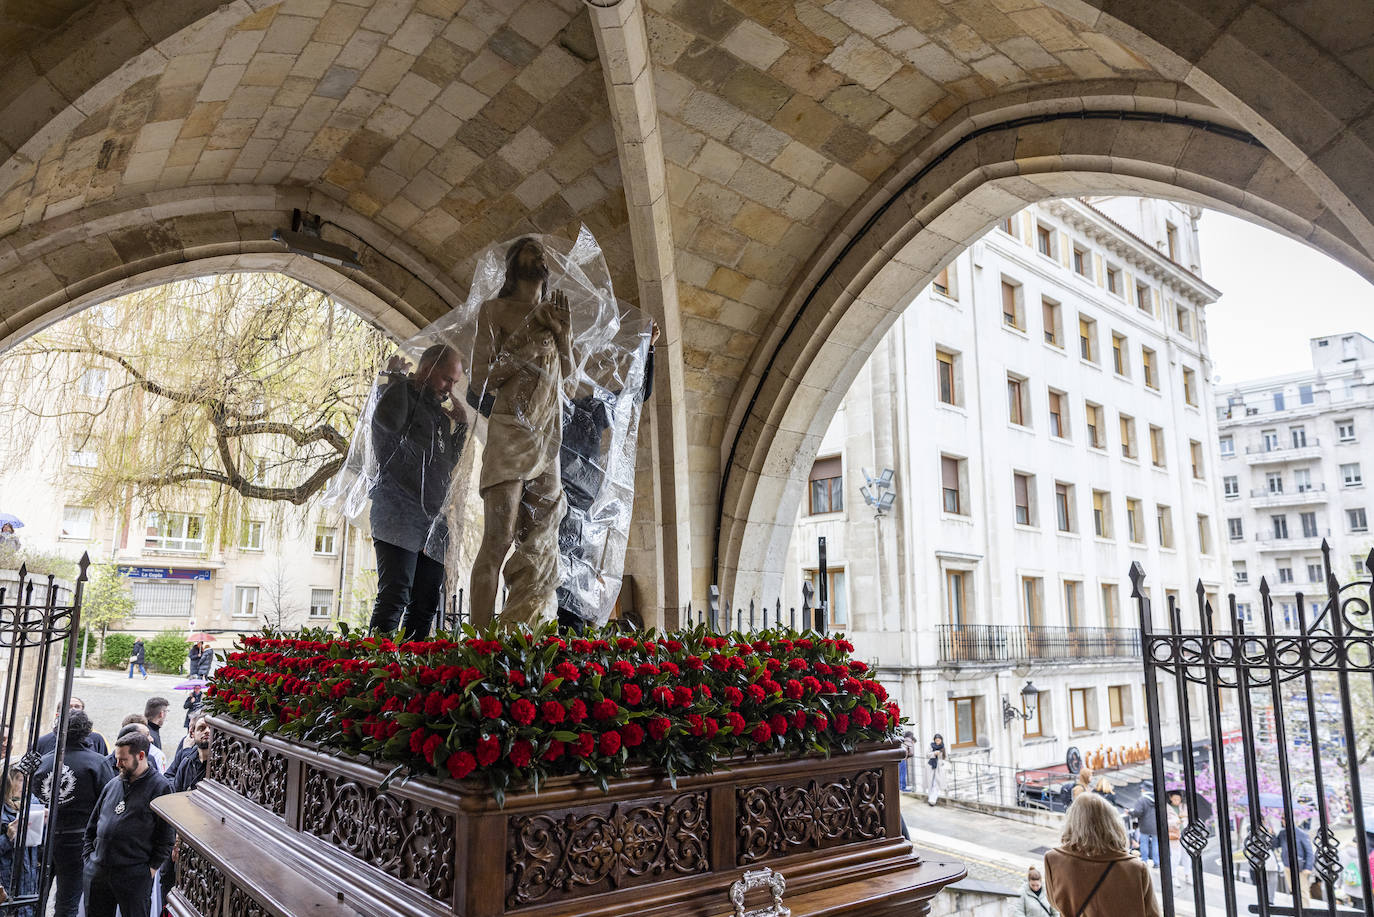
(303, 238)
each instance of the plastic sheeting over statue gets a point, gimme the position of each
(551, 373)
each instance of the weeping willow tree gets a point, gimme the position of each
(198, 396)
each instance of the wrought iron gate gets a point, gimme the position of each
(33, 626)
(1285, 707)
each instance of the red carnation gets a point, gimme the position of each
(491, 707)
(735, 722)
(520, 753)
(566, 671)
(451, 703)
(682, 696)
(734, 696)
(417, 741)
(523, 712)
(554, 751)
(623, 669)
(632, 695)
(860, 716)
(858, 666)
(794, 689)
(659, 726)
(646, 670)
(762, 733)
(553, 712)
(820, 722)
(631, 735)
(516, 678)
(605, 709)
(586, 744)
(771, 687)
(695, 663)
(880, 721)
(468, 676)
(431, 746)
(488, 750)
(811, 684)
(778, 723)
(756, 693)
(670, 668)
(712, 727)
(694, 724)
(627, 643)
(460, 765)
(610, 742)
(577, 710)
(841, 723)
(663, 696)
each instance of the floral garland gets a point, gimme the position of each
(520, 708)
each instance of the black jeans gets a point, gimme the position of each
(69, 870)
(410, 588)
(128, 889)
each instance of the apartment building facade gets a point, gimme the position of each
(1294, 451)
(1036, 421)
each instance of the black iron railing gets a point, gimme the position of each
(997, 643)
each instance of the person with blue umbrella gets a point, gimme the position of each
(8, 523)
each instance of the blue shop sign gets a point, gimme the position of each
(171, 573)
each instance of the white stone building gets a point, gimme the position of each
(1044, 408)
(1294, 456)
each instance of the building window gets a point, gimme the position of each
(1078, 709)
(1116, 704)
(965, 722)
(1018, 406)
(941, 282)
(1195, 451)
(1007, 226)
(1053, 318)
(1143, 300)
(827, 486)
(1171, 240)
(1128, 444)
(1235, 528)
(1044, 240)
(1033, 723)
(1298, 436)
(1357, 520)
(1147, 366)
(1230, 486)
(1228, 446)
(82, 453)
(956, 597)
(1073, 603)
(175, 532)
(1204, 533)
(1273, 481)
(1111, 610)
(250, 535)
(1278, 400)
(1063, 506)
(952, 485)
(1314, 571)
(1135, 521)
(93, 382)
(835, 593)
(1239, 572)
(77, 522)
(324, 539)
(1350, 475)
(1164, 519)
(946, 376)
(321, 603)
(1190, 386)
(1309, 524)
(1096, 435)
(1185, 322)
(1120, 364)
(1345, 431)
(1280, 526)
(1302, 479)
(1059, 423)
(1285, 570)
(1114, 280)
(1023, 487)
(1305, 394)
(1102, 514)
(1032, 606)
(1087, 339)
(1080, 261)
(1270, 439)
(245, 601)
(1157, 452)
(1011, 306)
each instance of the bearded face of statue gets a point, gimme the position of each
(529, 264)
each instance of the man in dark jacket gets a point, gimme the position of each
(84, 774)
(137, 658)
(125, 841)
(1307, 858)
(47, 742)
(417, 441)
(1144, 815)
(155, 714)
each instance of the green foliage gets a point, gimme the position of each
(107, 599)
(118, 649)
(40, 563)
(90, 646)
(167, 652)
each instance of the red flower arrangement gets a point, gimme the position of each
(520, 708)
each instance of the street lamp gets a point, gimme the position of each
(879, 493)
(1029, 695)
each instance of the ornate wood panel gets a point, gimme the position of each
(241, 904)
(200, 882)
(600, 848)
(413, 843)
(253, 772)
(780, 819)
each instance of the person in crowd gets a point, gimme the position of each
(1179, 862)
(138, 659)
(155, 714)
(1092, 872)
(1034, 900)
(1084, 783)
(1104, 788)
(193, 656)
(207, 661)
(904, 767)
(1146, 827)
(135, 722)
(8, 539)
(194, 701)
(47, 742)
(417, 441)
(936, 763)
(188, 746)
(14, 847)
(1307, 858)
(84, 774)
(125, 842)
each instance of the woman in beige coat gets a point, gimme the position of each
(1092, 872)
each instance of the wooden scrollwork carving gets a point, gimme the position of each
(253, 772)
(779, 819)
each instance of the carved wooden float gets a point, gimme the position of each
(285, 829)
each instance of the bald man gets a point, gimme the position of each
(417, 439)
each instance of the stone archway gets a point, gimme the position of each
(911, 226)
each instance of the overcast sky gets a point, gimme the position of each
(1276, 293)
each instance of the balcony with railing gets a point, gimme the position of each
(1303, 495)
(1268, 541)
(995, 643)
(1262, 454)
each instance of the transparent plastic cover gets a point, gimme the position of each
(500, 440)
